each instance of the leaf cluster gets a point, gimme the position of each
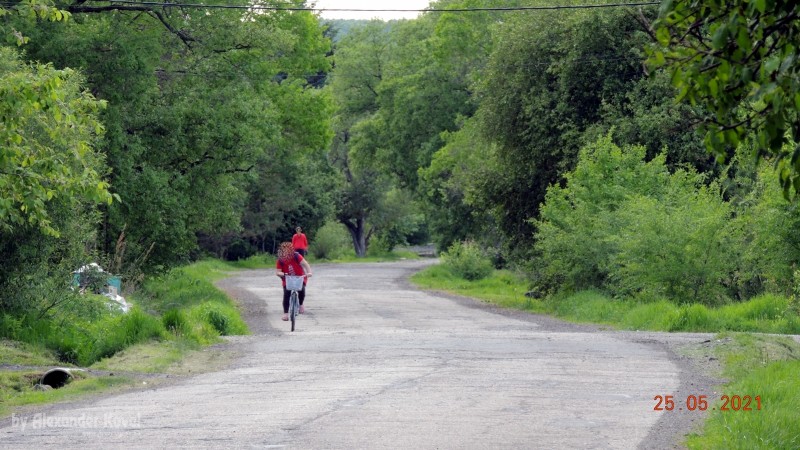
(48, 133)
(739, 60)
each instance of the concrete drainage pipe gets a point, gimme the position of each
(56, 377)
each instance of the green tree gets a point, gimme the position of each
(48, 128)
(200, 103)
(360, 59)
(427, 84)
(648, 115)
(31, 12)
(765, 225)
(546, 84)
(739, 61)
(574, 238)
(397, 219)
(678, 247)
(50, 171)
(448, 188)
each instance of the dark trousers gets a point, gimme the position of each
(287, 293)
(302, 251)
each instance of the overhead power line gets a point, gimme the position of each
(293, 8)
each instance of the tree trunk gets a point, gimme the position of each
(359, 234)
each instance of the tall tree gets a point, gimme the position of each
(547, 83)
(360, 59)
(51, 173)
(198, 99)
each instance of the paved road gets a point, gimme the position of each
(377, 364)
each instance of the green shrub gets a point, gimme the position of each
(590, 306)
(763, 307)
(223, 319)
(108, 337)
(176, 322)
(10, 326)
(331, 241)
(219, 321)
(467, 260)
(240, 249)
(630, 227)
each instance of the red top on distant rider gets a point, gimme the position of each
(299, 242)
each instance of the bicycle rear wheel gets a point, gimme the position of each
(294, 307)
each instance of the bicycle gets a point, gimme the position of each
(294, 284)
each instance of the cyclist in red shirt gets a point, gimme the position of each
(299, 242)
(291, 263)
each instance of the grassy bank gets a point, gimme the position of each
(765, 370)
(175, 315)
(765, 314)
(757, 365)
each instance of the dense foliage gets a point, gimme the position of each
(549, 141)
(142, 137)
(739, 59)
(648, 233)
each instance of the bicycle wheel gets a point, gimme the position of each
(294, 306)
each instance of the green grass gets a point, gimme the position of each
(766, 313)
(176, 357)
(503, 288)
(16, 389)
(174, 315)
(148, 357)
(760, 366)
(260, 261)
(187, 296)
(24, 354)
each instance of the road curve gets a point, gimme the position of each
(377, 364)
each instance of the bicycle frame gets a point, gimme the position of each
(295, 285)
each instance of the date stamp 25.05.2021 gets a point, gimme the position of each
(701, 403)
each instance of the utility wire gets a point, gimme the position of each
(290, 8)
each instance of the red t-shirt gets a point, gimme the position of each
(291, 266)
(299, 241)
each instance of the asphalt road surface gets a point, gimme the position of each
(376, 363)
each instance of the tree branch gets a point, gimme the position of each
(80, 7)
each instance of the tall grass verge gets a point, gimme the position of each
(181, 304)
(172, 315)
(191, 306)
(767, 313)
(16, 389)
(750, 363)
(503, 287)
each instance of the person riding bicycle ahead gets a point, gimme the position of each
(293, 264)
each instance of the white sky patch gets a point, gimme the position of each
(370, 4)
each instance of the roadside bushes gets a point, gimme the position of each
(330, 242)
(191, 306)
(633, 229)
(83, 329)
(83, 342)
(467, 260)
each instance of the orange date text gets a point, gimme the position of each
(700, 403)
